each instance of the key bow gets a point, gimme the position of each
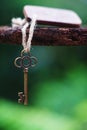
(25, 60)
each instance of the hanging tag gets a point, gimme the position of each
(52, 16)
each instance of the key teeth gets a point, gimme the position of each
(21, 97)
(20, 94)
(20, 101)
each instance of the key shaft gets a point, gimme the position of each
(26, 86)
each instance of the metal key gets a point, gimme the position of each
(25, 61)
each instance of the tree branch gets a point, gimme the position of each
(46, 36)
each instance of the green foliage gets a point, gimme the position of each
(15, 117)
(63, 95)
(81, 113)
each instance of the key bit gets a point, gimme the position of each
(21, 97)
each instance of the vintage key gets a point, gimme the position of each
(25, 61)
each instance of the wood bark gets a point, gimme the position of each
(49, 36)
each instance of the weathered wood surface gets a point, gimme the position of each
(46, 36)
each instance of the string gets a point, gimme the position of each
(24, 43)
(31, 32)
(22, 22)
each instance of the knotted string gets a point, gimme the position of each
(22, 22)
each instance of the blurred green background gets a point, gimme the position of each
(57, 85)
